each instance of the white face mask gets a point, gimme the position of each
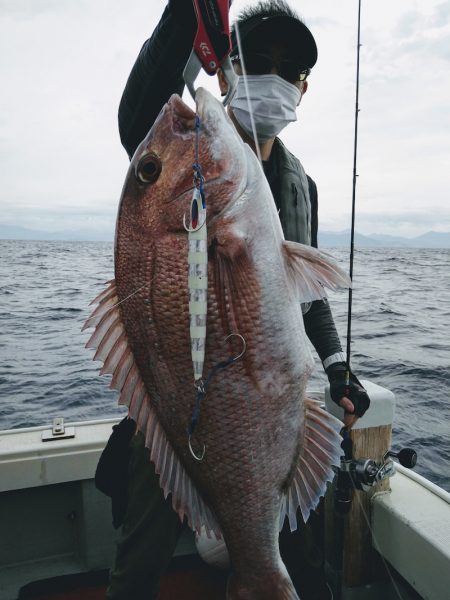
(273, 101)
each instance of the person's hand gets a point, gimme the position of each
(349, 417)
(352, 397)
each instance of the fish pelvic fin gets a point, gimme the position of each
(110, 341)
(321, 449)
(272, 585)
(312, 270)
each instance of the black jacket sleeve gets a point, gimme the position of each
(157, 73)
(321, 330)
(319, 323)
(312, 188)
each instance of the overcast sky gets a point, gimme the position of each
(64, 63)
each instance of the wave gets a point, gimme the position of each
(400, 340)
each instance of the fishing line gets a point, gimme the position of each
(244, 75)
(127, 298)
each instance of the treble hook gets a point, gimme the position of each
(244, 344)
(198, 458)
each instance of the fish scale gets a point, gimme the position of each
(252, 419)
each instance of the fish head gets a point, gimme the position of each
(158, 190)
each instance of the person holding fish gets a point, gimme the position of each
(272, 54)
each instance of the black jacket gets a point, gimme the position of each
(156, 75)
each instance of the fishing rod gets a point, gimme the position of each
(367, 475)
(344, 489)
(355, 175)
(363, 473)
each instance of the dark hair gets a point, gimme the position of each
(267, 8)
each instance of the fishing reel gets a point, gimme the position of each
(363, 473)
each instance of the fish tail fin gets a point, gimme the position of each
(321, 449)
(275, 585)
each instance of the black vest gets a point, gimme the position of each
(292, 195)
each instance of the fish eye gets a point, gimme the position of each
(148, 168)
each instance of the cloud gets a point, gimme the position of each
(321, 22)
(425, 35)
(407, 24)
(427, 216)
(65, 64)
(441, 15)
(429, 47)
(56, 217)
(28, 9)
(392, 222)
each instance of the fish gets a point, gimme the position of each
(268, 449)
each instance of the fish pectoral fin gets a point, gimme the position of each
(236, 287)
(321, 449)
(110, 341)
(312, 270)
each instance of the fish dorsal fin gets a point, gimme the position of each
(312, 270)
(112, 347)
(321, 448)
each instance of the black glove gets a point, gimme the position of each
(354, 391)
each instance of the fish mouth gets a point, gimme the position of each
(182, 112)
(204, 103)
(210, 112)
(207, 106)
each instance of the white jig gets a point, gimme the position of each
(197, 281)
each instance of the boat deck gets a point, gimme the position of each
(188, 578)
(56, 527)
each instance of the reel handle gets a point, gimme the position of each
(407, 457)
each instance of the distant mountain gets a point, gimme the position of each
(327, 239)
(342, 238)
(390, 241)
(434, 239)
(13, 232)
(431, 239)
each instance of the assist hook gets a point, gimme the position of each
(201, 393)
(244, 345)
(200, 457)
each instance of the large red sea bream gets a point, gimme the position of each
(268, 450)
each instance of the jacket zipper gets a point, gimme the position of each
(297, 228)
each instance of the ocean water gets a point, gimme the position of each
(400, 330)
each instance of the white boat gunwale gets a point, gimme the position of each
(411, 524)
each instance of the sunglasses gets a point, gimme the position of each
(262, 64)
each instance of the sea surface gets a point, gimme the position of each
(400, 331)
